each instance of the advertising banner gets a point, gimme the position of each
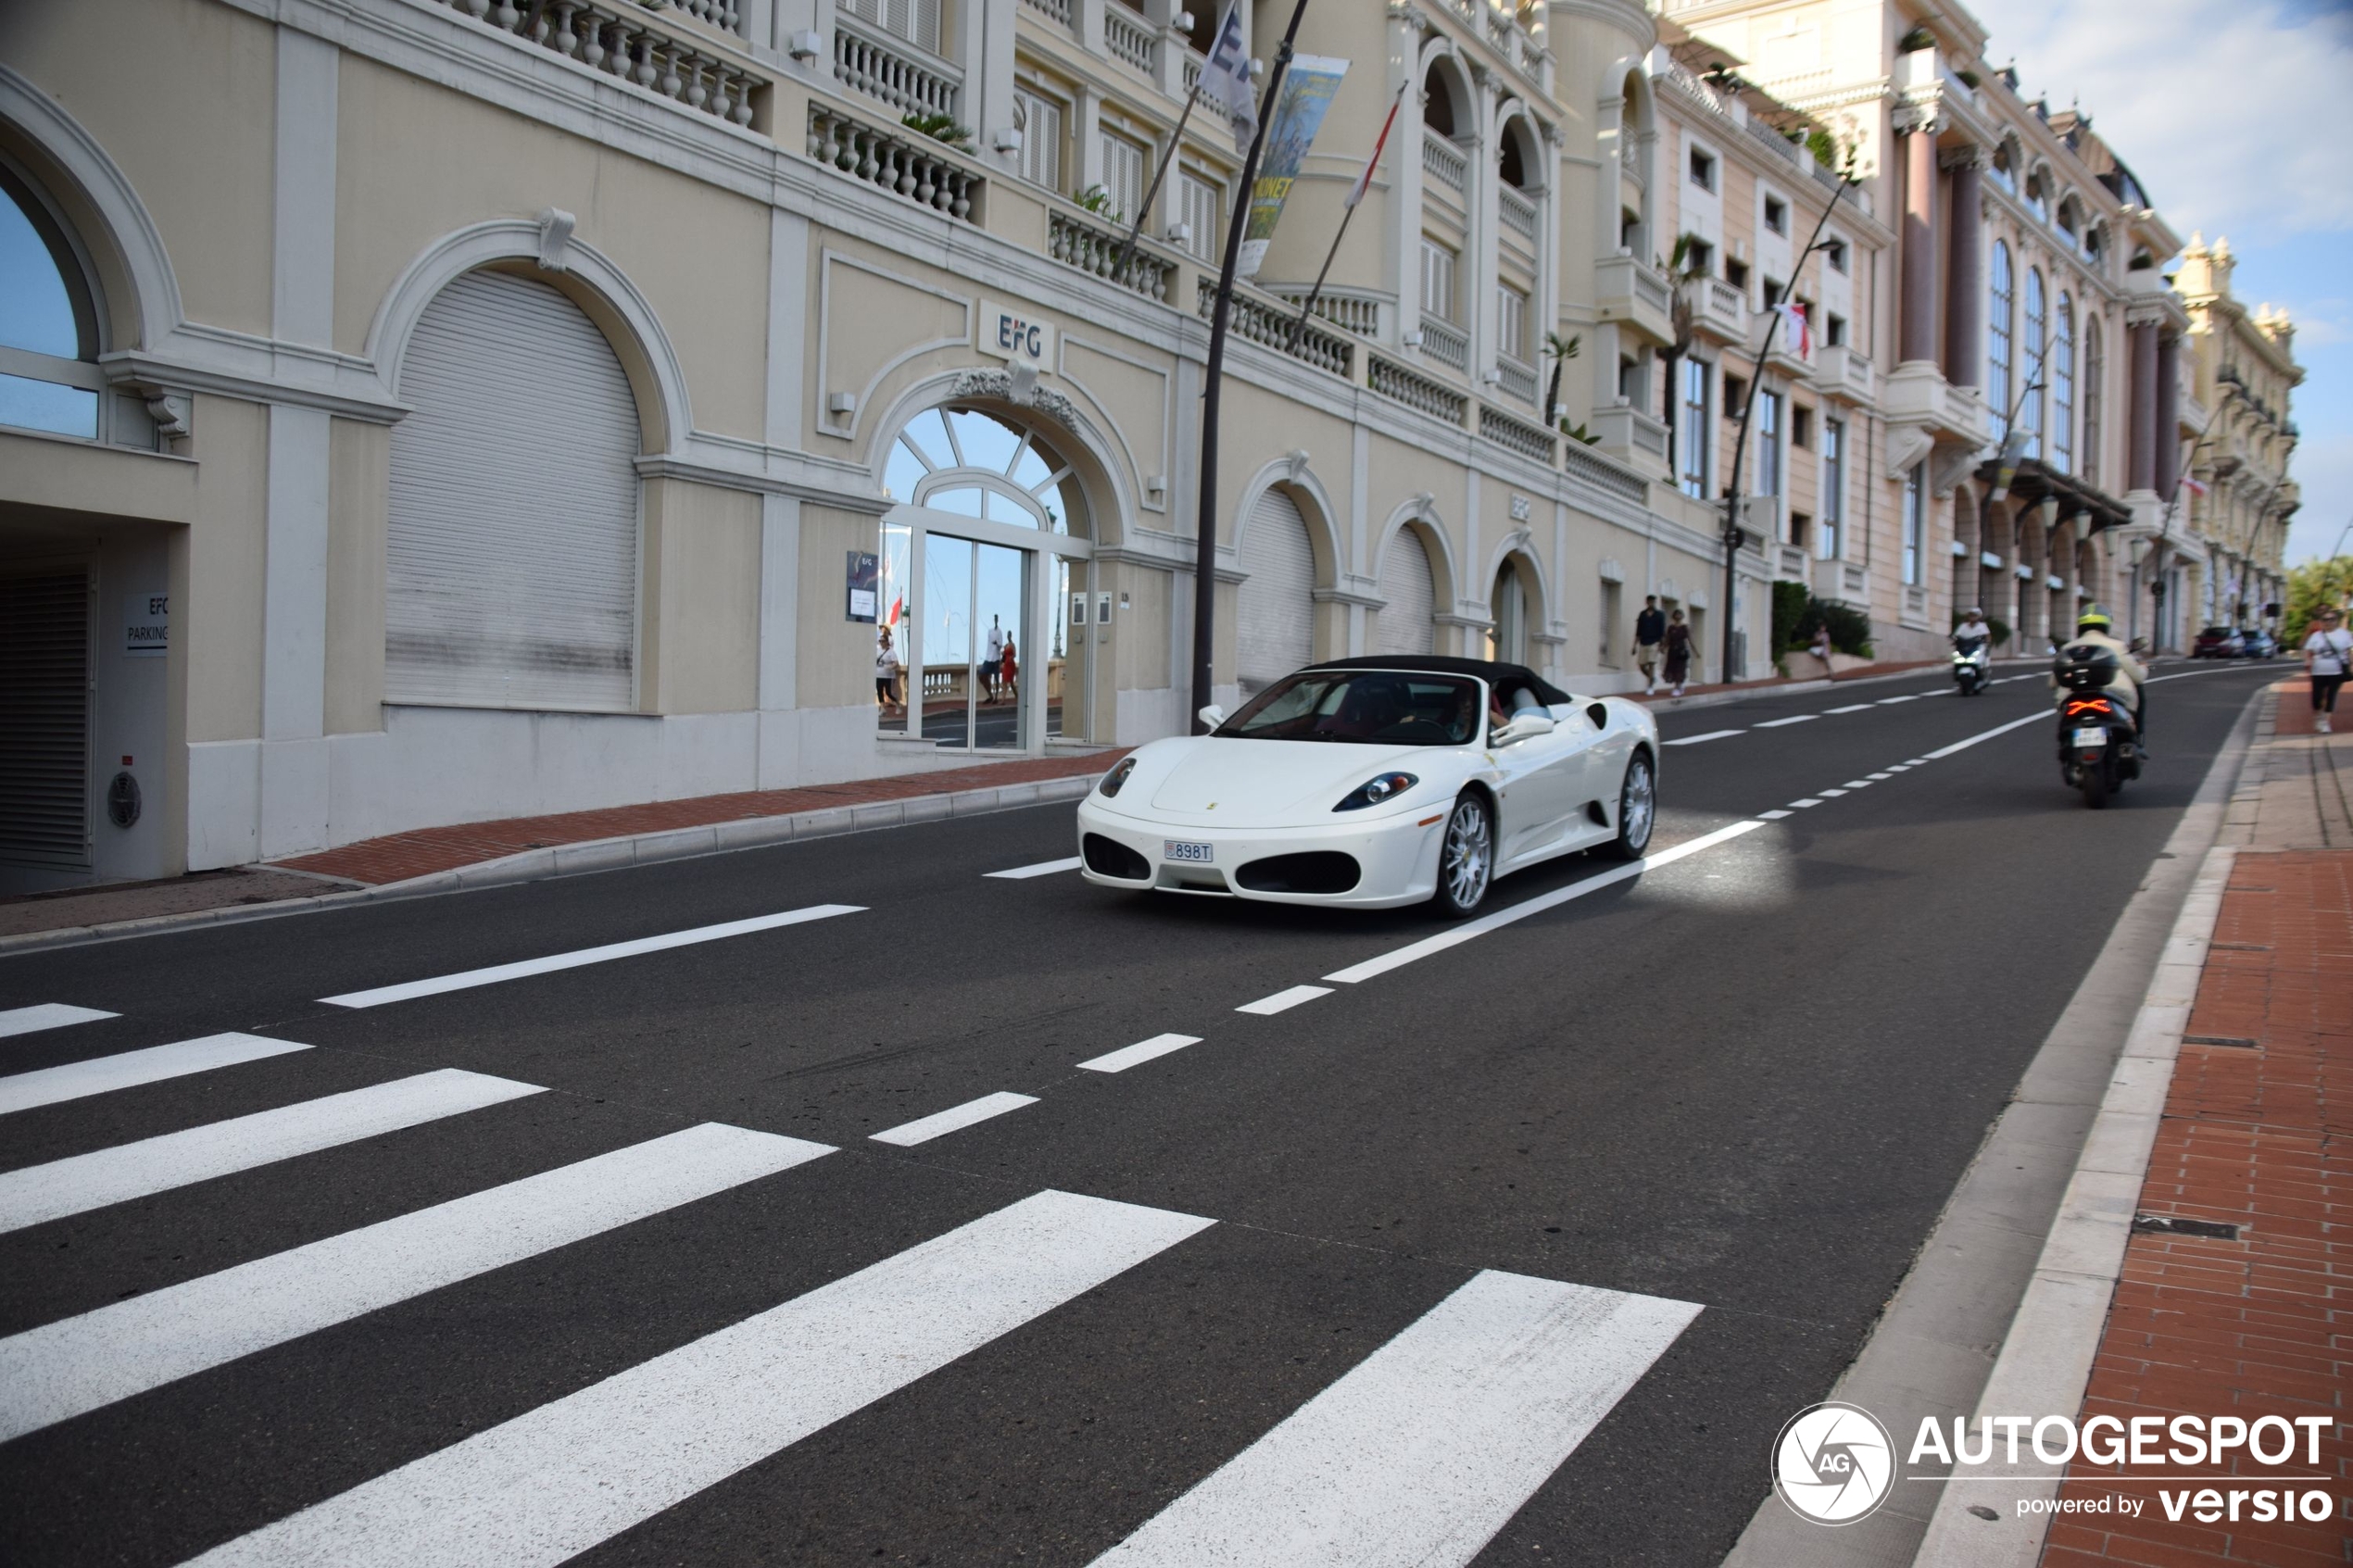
(1307, 92)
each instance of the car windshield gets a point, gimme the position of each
(1362, 707)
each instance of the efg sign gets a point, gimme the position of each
(1008, 332)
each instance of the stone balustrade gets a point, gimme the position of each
(1387, 379)
(618, 40)
(907, 77)
(897, 161)
(1271, 322)
(1095, 250)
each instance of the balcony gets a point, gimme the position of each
(1845, 372)
(618, 40)
(1842, 582)
(1723, 311)
(1633, 437)
(1917, 395)
(1127, 39)
(906, 76)
(1446, 342)
(1444, 162)
(1515, 379)
(1633, 295)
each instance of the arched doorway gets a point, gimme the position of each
(986, 600)
(1275, 611)
(1408, 621)
(1507, 608)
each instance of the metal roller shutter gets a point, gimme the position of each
(1407, 623)
(44, 718)
(1275, 622)
(513, 541)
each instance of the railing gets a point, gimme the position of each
(1096, 251)
(1630, 155)
(892, 160)
(1518, 213)
(1825, 177)
(1598, 472)
(1268, 325)
(1347, 312)
(1517, 379)
(721, 14)
(1129, 41)
(1192, 72)
(1052, 10)
(1446, 342)
(892, 69)
(1394, 381)
(1704, 93)
(613, 38)
(1725, 308)
(1443, 161)
(1789, 563)
(1516, 434)
(1783, 146)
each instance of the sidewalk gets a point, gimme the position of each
(2236, 1295)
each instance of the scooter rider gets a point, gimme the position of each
(2092, 627)
(1972, 633)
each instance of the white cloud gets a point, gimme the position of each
(2237, 115)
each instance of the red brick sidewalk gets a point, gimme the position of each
(403, 855)
(2257, 1320)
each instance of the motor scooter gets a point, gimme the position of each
(1973, 666)
(2100, 744)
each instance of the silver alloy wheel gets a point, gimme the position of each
(1639, 804)
(1468, 858)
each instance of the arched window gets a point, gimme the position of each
(1507, 608)
(1438, 104)
(2095, 387)
(1997, 340)
(512, 543)
(1407, 623)
(48, 319)
(2038, 196)
(963, 460)
(2063, 386)
(2033, 348)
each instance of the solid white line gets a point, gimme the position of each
(1283, 1001)
(1140, 1052)
(46, 1015)
(1043, 868)
(172, 1160)
(63, 1368)
(939, 1124)
(1792, 718)
(1421, 1454)
(553, 962)
(1910, 696)
(1712, 734)
(1850, 707)
(1804, 805)
(1469, 930)
(1989, 735)
(101, 1074)
(1771, 816)
(549, 1483)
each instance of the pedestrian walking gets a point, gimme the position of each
(886, 672)
(1678, 643)
(996, 656)
(2328, 656)
(1650, 632)
(1820, 648)
(1008, 667)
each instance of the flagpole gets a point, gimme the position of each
(1176, 139)
(1356, 199)
(1205, 532)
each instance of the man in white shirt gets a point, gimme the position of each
(996, 657)
(2328, 657)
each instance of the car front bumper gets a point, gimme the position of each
(1396, 856)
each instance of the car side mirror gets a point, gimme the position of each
(1522, 727)
(1212, 715)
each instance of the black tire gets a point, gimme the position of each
(2095, 786)
(1637, 810)
(1465, 856)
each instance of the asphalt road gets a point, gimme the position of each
(1725, 1099)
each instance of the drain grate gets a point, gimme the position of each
(2173, 1224)
(2239, 1041)
(2240, 946)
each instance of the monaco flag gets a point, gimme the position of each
(1801, 337)
(1224, 78)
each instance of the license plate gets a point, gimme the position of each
(2091, 737)
(1178, 849)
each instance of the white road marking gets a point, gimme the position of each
(1771, 816)
(173, 1159)
(1850, 707)
(1470, 930)
(1882, 778)
(1832, 793)
(63, 1368)
(1802, 805)
(1423, 1452)
(1140, 1052)
(1989, 735)
(556, 1481)
(1858, 784)
(1712, 734)
(939, 1124)
(1283, 1001)
(1043, 868)
(1910, 696)
(1792, 718)
(1916, 761)
(46, 1015)
(101, 1074)
(553, 962)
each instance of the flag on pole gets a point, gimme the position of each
(1307, 91)
(1801, 337)
(1365, 181)
(1224, 78)
(2194, 485)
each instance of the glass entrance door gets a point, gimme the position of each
(974, 637)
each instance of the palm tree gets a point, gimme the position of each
(1562, 350)
(1682, 270)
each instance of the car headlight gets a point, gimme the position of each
(1373, 791)
(1117, 776)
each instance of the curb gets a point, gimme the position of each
(598, 855)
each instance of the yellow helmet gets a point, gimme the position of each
(2093, 615)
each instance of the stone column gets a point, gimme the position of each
(2140, 472)
(1965, 278)
(2167, 427)
(1917, 334)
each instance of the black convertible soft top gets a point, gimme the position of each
(1502, 677)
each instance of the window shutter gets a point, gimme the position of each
(1197, 209)
(1437, 280)
(1041, 140)
(44, 718)
(1274, 622)
(512, 548)
(1123, 176)
(1407, 623)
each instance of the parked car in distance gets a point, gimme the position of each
(2258, 644)
(2217, 642)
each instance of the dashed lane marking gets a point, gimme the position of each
(1043, 868)
(1792, 718)
(1802, 805)
(1283, 1001)
(939, 1124)
(1140, 1052)
(1851, 708)
(1712, 734)
(1774, 816)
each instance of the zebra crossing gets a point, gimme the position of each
(1418, 1454)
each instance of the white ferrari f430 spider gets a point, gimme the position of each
(1377, 782)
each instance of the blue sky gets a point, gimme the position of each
(2238, 117)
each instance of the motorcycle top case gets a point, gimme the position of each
(2084, 669)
